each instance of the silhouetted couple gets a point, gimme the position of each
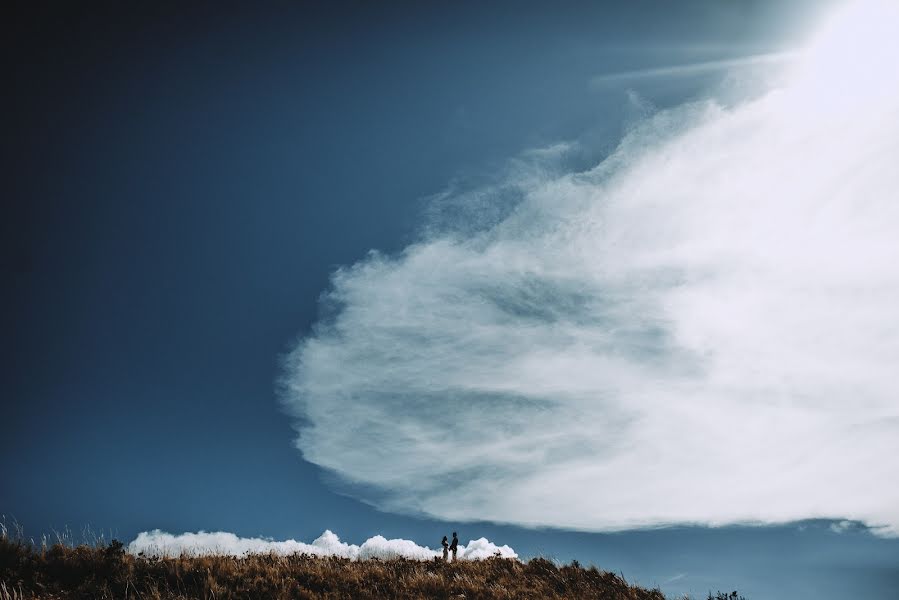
(450, 547)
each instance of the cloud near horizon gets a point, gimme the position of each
(160, 543)
(703, 328)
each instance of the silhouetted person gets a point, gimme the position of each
(454, 546)
(445, 545)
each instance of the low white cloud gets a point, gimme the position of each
(703, 328)
(160, 543)
(844, 526)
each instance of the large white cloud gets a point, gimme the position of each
(160, 543)
(704, 328)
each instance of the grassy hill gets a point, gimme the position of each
(106, 572)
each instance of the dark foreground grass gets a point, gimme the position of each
(106, 571)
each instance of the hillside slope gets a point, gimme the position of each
(105, 572)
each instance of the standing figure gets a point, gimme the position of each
(454, 546)
(445, 545)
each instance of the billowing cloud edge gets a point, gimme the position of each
(699, 330)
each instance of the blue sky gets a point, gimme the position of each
(184, 183)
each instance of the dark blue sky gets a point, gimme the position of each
(180, 183)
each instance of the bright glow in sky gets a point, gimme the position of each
(703, 328)
(850, 61)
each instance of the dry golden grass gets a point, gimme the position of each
(106, 572)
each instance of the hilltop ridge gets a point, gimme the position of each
(63, 572)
